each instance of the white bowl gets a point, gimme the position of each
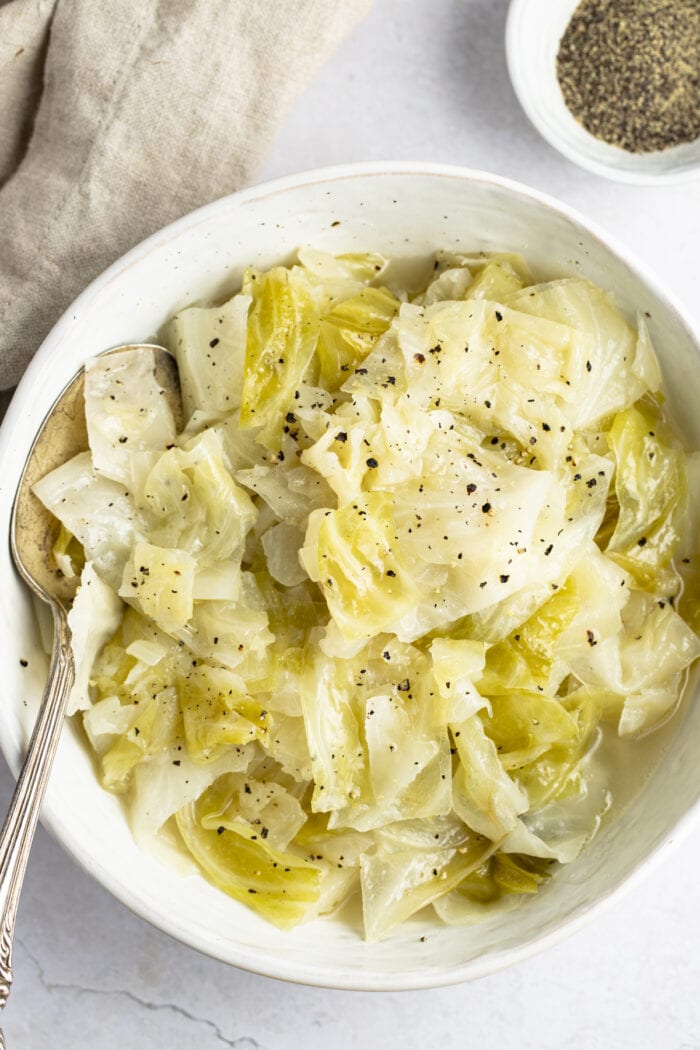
(533, 32)
(402, 210)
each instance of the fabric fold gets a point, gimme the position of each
(149, 108)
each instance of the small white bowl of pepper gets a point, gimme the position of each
(614, 85)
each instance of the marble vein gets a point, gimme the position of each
(244, 1042)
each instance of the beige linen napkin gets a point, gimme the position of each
(117, 116)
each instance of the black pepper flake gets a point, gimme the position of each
(390, 572)
(591, 638)
(549, 550)
(404, 686)
(420, 358)
(546, 426)
(504, 578)
(220, 830)
(341, 436)
(642, 541)
(591, 483)
(471, 487)
(486, 507)
(24, 663)
(372, 462)
(589, 366)
(123, 440)
(213, 343)
(499, 315)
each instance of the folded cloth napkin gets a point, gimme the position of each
(117, 117)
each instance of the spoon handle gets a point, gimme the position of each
(20, 823)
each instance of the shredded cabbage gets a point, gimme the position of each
(361, 626)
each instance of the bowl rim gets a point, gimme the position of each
(517, 11)
(261, 961)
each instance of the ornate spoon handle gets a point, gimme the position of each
(20, 824)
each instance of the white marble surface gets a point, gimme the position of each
(421, 81)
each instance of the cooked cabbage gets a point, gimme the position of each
(362, 625)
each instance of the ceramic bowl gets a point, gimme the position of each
(533, 32)
(401, 210)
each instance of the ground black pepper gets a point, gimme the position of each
(629, 71)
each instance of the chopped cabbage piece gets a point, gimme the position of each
(94, 617)
(609, 367)
(457, 664)
(282, 334)
(651, 490)
(349, 331)
(452, 283)
(159, 582)
(217, 713)
(492, 888)
(209, 345)
(281, 545)
(168, 782)
(126, 411)
(154, 727)
(98, 511)
(657, 647)
(362, 267)
(497, 281)
(192, 502)
(275, 816)
(280, 886)
(396, 885)
(484, 795)
(68, 554)
(351, 553)
(377, 753)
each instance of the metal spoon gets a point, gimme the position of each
(33, 532)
